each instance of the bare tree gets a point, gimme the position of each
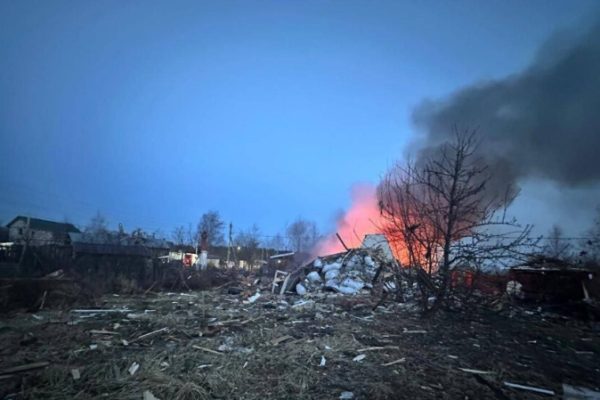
(249, 243)
(97, 228)
(179, 235)
(441, 215)
(191, 236)
(302, 235)
(556, 245)
(212, 223)
(277, 242)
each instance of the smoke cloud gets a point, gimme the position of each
(543, 122)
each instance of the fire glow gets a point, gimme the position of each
(363, 218)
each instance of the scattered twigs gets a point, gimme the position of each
(43, 300)
(24, 367)
(206, 350)
(398, 361)
(150, 335)
(150, 288)
(377, 348)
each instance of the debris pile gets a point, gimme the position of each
(345, 273)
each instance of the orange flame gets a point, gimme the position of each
(363, 218)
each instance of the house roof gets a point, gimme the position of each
(45, 225)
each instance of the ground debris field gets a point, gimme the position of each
(211, 344)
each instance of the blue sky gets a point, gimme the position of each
(153, 112)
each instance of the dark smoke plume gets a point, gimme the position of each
(543, 122)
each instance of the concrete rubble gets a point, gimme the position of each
(347, 273)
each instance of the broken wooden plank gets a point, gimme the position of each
(342, 241)
(101, 311)
(476, 371)
(207, 350)
(150, 334)
(530, 388)
(377, 348)
(43, 302)
(24, 367)
(102, 332)
(414, 331)
(398, 361)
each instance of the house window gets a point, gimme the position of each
(21, 231)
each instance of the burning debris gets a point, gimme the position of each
(348, 272)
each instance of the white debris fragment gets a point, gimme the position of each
(359, 358)
(353, 285)
(93, 346)
(346, 395)
(75, 374)
(303, 305)
(515, 289)
(300, 289)
(333, 266)
(331, 274)
(133, 368)
(314, 277)
(323, 361)
(225, 348)
(149, 396)
(318, 263)
(253, 298)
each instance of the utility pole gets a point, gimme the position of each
(230, 250)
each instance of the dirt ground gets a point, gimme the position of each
(212, 344)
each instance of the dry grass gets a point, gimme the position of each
(251, 367)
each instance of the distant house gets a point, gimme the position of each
(39, 232)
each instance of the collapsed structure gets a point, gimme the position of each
(347, 272)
